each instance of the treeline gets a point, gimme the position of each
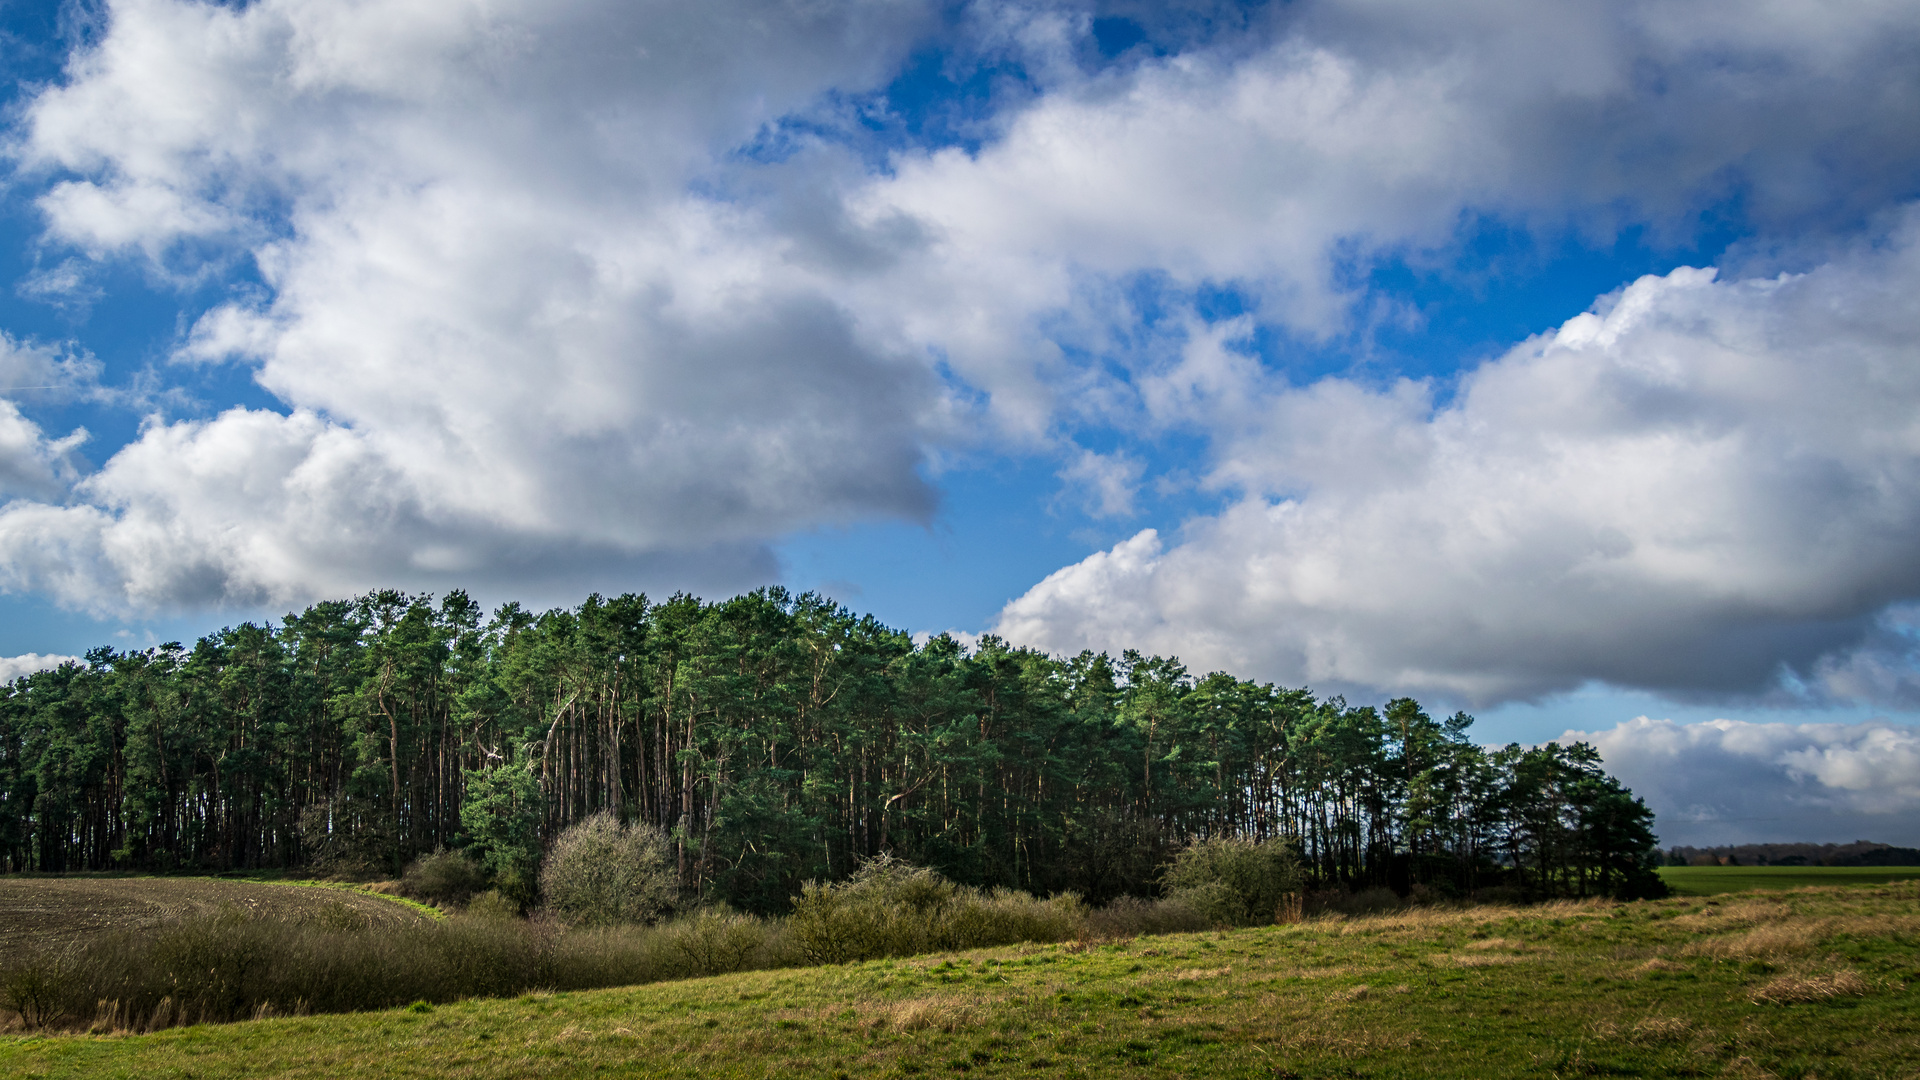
(778, 739)
(1858, 853)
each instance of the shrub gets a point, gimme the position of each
(444, 877)
(601, 872)
(1233, 881)
(35, 984)
(492, 905)
(891, 908)
(1130, 916)
(714, 941)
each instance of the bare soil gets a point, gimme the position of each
(46, 911)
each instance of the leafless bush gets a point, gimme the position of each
(601, 872)
(1129, 916)
(35, 985)
(890, 908)
(713, 941)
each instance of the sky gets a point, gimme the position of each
(1553, 362)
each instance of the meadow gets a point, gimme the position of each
(1802, 983)
(1716, 880)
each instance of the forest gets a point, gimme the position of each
(778, 739)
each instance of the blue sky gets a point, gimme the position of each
(1552, 363)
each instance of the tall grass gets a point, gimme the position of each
(237, 965)
(234, 966)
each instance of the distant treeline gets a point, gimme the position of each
(777, 739)
(1858, 853)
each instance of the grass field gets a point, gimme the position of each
(1715, 880)
(55, 909)
(1797, 984)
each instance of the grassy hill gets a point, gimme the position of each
(1796, 984)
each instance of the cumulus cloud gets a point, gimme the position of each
(13, 667)
(514, 337)
(554, 287)
(1336, 133)
(1732, 781)
(1686, 488)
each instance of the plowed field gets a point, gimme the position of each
(39, 911)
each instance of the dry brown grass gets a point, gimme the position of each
(1660, 1029)
(1792, 989)
(1196, 974)
(936, 1012)
(1480, 960)
(1766, 941)
(1493, 952)
(1730, 913)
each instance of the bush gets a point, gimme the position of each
(34, 984)
(492, 905)
(890, 908)
(715, 941)
(1233, 881)
(444, 877)
(1130, 916)
(602, 872)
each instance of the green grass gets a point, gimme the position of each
(1715, 880)
(1795, 985)
(428, 910)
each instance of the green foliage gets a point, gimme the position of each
(1235, 881)
(776, 739)
(601, 871)
(501, 816)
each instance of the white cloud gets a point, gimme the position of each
(515, 339)
(1345, 131)
(1683, 489)
(1731, 781)
(31, 464)
(531, 310)
(13, 667)
(1109, 482)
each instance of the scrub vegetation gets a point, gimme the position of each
(1814, 982)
